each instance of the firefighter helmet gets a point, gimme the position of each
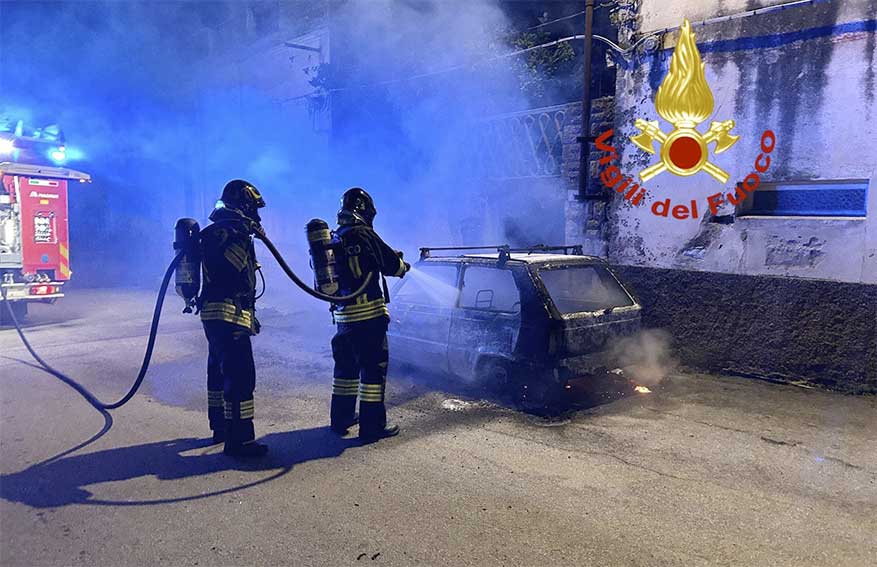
(358, 204)
(243, 196)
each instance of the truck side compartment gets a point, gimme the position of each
(34, 235)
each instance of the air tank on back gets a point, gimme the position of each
(187, 239)
(322, 245)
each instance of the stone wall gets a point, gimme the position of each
(787, 329)
(585, 220)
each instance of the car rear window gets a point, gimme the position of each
(578, 289)
(429, 285)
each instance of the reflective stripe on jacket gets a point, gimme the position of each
(362, 311)
(228, 312)
(229, 269)
(365, 253)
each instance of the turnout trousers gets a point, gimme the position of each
(361, 356)
(231, 379)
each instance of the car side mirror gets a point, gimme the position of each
(484, 299)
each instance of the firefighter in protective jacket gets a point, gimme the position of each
(360, 343)
(228, 305)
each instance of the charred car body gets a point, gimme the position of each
(531, 322)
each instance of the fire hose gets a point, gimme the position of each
(305, 287)
(147, 357)
(156, 316)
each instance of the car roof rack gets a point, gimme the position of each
(504, 250)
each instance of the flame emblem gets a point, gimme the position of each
(684, 100)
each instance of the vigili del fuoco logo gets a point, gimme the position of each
(685, 100)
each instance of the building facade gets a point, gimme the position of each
(781, 283)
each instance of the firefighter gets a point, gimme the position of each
(360, 343)
(228, 308)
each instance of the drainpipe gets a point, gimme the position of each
(585, 138)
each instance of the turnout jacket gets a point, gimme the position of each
(229, 270)
(364, 252)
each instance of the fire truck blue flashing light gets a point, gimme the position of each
(7, 146)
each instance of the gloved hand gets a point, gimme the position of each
(407, 268)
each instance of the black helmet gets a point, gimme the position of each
(243, 196)
(358, 204)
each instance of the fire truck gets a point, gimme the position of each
(34, 239)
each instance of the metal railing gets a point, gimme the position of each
(522, 144)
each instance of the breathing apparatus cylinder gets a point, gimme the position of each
(188, 273)
(322, 246)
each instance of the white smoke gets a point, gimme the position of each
(646, 357)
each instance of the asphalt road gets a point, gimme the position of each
(706, 470)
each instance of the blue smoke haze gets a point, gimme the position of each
(162, 125)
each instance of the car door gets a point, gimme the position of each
(420, 312)
(488, 319)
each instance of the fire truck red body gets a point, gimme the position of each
(34, 237)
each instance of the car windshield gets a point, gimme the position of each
(577, 289)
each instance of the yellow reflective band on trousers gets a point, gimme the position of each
(361, 311)
(345, 387)
(215, 399)
(224, 311)
(248, 410)
(371, 392)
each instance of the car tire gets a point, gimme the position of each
(498, 377)
(545, 397)
(495, 374)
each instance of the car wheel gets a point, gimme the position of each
(545, 397)
(495, 374)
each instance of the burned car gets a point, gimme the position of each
(530, 322)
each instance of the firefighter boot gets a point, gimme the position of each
(340, 428)
(240, 438)
(370, 437)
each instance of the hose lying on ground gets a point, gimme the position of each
(150, 345)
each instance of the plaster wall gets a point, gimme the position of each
(660, 14)
(808, 74)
